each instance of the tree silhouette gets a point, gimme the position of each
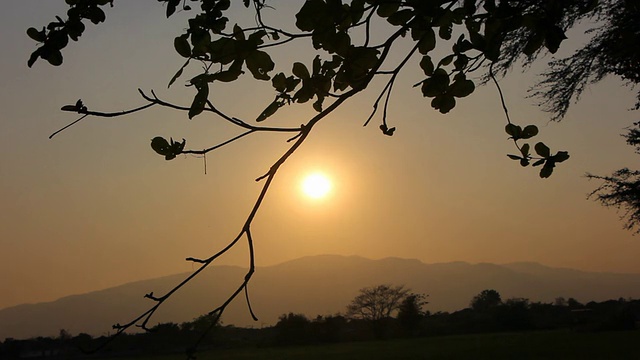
(621, 189)
(410, 312)
(376, 304)
(491, 37)
(487, 299)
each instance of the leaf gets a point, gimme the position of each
(260, 63)
(34, 56)
(54, 57)
(427, 65)
(529, 131)
(524, 150)
(96, 15)
(386, 9)
(542, 150)
(69, 108)
(427, 41)
(446, 60)
(171, 6)
(443, 103)
(400, 17)
(461, 88)
(181, 44)
(445, 31)
(178, 74)
(200, 100)
(561, 156)
(437, 84)
(539, 162)
(514, 130)
(160, 145)
(514, 157)
(270, 110)
(312, 13)
(300, 70)
(387, 131)
(36, 35)
(547, 169)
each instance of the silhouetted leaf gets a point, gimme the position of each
(171, 6)
(260, 63)
(387, 131)
(200, 100)
(95, 14)
(160, 145)
(36, 35)
(386, 9)
(514, 130)
(561, 156)
(300, 70)
(182, 46)
(542, 150)
(310, 14)
(437, 84)
(529, 131)
(461, 88)
(400, 17)
(177, 74)
(270, 110)
(547, 169)
(427, 41)
(427, 65)
(54, 57)
(539, 162)
(443, 103)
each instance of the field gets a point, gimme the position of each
(564, 345)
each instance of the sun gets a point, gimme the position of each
(316, 185)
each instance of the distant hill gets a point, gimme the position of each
(316, 285)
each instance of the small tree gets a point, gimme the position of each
(377, 302)
(487, 299)
(410, 313)
(376, 305)
(293, 329)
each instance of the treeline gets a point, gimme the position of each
(406, 318)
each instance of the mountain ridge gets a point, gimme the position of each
(312, 285)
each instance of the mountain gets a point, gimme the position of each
(316, 285)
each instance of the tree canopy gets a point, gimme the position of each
(457, 45)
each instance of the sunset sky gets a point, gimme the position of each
(95, 206)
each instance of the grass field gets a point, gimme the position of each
(532, 345)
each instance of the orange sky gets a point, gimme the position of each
(96, 207)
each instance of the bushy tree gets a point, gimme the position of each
(410, 312)
(377, 302)
(293, 329)
(621, 190)
(485, 300)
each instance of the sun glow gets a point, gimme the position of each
(316, 185)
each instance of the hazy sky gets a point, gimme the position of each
(96, 207)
